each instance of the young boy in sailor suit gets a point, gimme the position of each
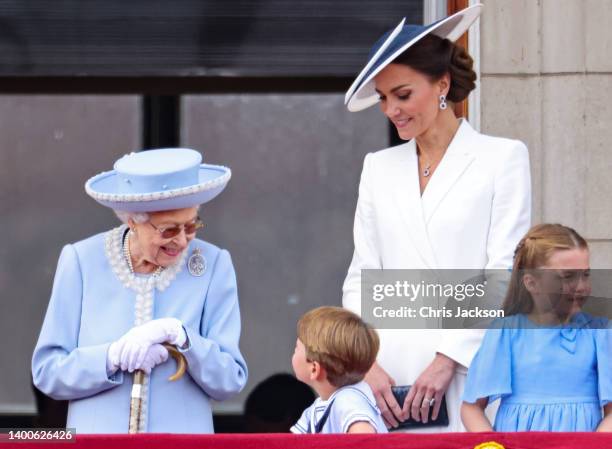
(333, 352)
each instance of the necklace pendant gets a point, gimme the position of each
(426, 172)
(196, 263)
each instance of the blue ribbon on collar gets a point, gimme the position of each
(569, 332)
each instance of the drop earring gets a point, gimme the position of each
(443, 104)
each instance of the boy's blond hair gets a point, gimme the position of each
(340, 341)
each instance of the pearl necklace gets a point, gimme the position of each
(128, 255)
(143, 286)
(118, 255)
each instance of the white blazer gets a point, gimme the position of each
(473, 212)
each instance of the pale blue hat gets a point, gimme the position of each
(156, 180)
(362, 93)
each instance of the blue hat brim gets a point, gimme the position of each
(212, 179)
(362, 93)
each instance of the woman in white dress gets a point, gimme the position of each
(448, 198)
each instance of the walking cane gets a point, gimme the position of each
(139, 376)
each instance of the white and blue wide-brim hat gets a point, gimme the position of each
(157, 180)
(362, 93)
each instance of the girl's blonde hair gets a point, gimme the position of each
(533, 251)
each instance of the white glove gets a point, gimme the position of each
(113, 358)
(155, 355)
(134, 345)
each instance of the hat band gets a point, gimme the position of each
(218, 182)
(133, 184)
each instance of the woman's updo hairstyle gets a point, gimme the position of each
(434, 57)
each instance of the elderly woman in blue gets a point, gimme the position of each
(549, 362)
(119, 296)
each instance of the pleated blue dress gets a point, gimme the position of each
(548, 378)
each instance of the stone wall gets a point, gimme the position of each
(546, 78)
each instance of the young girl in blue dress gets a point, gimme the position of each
(548, 362)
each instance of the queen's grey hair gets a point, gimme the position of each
(138, 217)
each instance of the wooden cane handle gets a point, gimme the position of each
(180, 361)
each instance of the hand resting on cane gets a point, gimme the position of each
(140, 347)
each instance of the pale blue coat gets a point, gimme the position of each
(90, 308)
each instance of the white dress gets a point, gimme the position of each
(473, 212)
